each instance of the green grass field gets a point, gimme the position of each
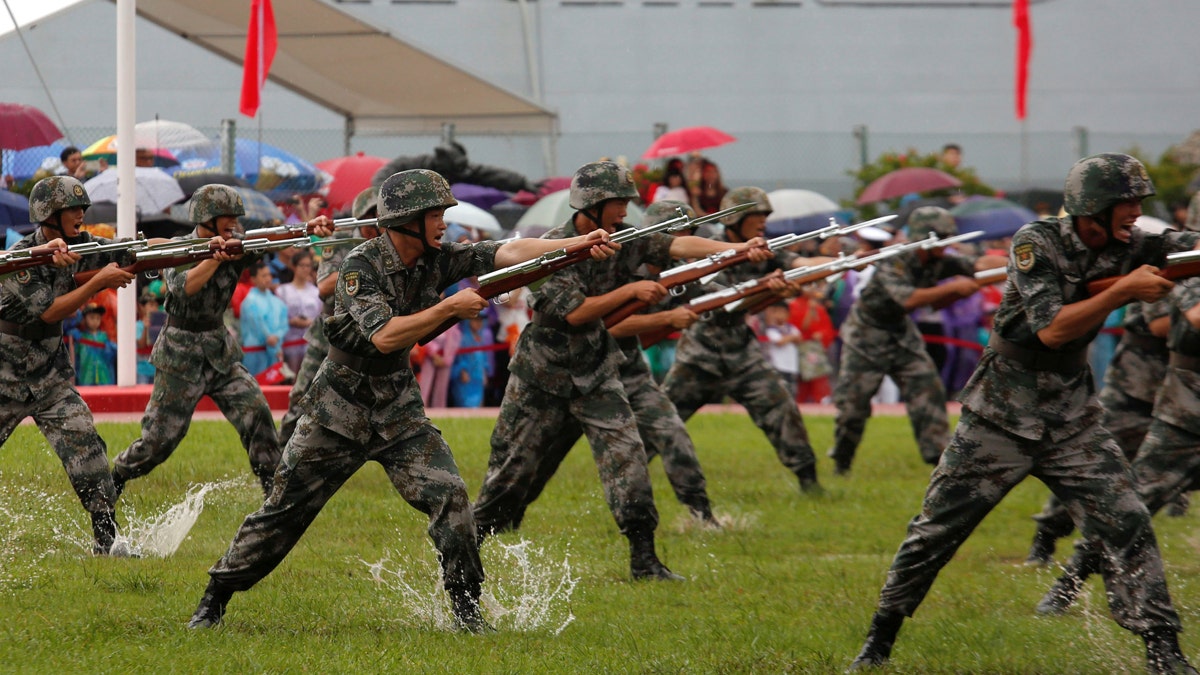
(787, 587)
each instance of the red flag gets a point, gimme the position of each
(1024, 47)
(260, 51)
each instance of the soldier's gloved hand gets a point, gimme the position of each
(466, 303)
(648, 291)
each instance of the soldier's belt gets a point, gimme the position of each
(727, 319)
(547, 321)
(38, 330)
(1184, 361)
(1063, 363)
(194, 325)
(1146, 343)
(627, 342)
(365, 364)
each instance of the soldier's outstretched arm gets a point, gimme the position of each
(520, 250)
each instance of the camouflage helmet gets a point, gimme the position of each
(408, 194)
(212, 201)
(665, 210)
(1097, 182)
(931, 219)
(599, 181)
(1192, 224)
(365, 202)
(54, 194)
(744, 195)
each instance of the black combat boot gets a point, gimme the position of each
(701, 510)
(643, 561)
(808, 481)
(878, 648)
(1163, 654)
(841, 465)
(1042, 550)
(104, 529)
(1062, 594)
(464, 602)
(212, 606)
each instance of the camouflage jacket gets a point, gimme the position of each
(1178, 399)
(581, 359)
(878, 320)
(331, 263)
(721, 342)
(1136, 369)
(31, 368)
(186, 353)
(1050, 268)
(373, 287)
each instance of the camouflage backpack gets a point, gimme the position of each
(596, 182)
(211, 201)
(406, 195)
(931, 219)
(744, 195)
(54, 194)
(1097, 182)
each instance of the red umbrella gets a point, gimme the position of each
(24, 126)
(904, 181)
(686, 140)
(350, 176)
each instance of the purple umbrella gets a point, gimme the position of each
(482, 196)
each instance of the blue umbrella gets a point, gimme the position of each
(997, 218)
(14, 208)
(270, 170)
(260, 210)
(24, 164)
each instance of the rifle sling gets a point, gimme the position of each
(38, 330)
(1061, 362)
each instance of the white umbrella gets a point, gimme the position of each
(798, 203)
(168, 134)
(469, 215)
(554, 209)
(156, 189)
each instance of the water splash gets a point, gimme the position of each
(160, 535)
(24, 513)
(729, 522)
(525, 590)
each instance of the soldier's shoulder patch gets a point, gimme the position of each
(24, 276)
(1023, 256)
(351, 279)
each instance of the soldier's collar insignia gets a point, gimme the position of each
(1023, 256)
(351, 279)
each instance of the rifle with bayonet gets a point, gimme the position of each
(293, 230)
(994, 275)
(39, 256)
(757, 293)
(1179, 266)
(187, 253)
(509, 279)
(679, 276)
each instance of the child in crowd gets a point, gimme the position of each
(95, 356)
(146, 333)
(781, 342)
(472, 368)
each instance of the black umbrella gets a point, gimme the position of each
(192, 182)
(155, 225)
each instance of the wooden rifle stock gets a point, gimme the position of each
(1171, 273)
(634, 306)
(700, 306)
(37, 258)
(232, 247)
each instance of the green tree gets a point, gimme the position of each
(1171, 175)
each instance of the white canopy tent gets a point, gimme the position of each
(381, 85)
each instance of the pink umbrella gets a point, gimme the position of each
(686, 140)
(350, 176)
(24, 126)
(904, 181)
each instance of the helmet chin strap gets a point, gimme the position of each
(419, 234)
(595, 218)
(54, 222)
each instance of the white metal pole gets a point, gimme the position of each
(127, 193)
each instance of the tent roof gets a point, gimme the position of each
(382, 84)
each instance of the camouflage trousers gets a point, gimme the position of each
(314, 466)
(983, 463)
(313, 356)
(921, 389)
(662, 432)
(169, 414)
(535, 425)
(1127, 419)
(760, 391)
(66, 422)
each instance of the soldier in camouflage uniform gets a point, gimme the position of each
(1030, 408)
(880, 338)
(196, 355)
(719, 355)
(565, 372)
(662, 432)
(1168, 462)
(364, 403)
(365, 206)
(36, 376)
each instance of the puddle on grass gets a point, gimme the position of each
(159, 534)
(24, 515)
(526, 590)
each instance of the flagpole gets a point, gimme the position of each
(126, 180)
